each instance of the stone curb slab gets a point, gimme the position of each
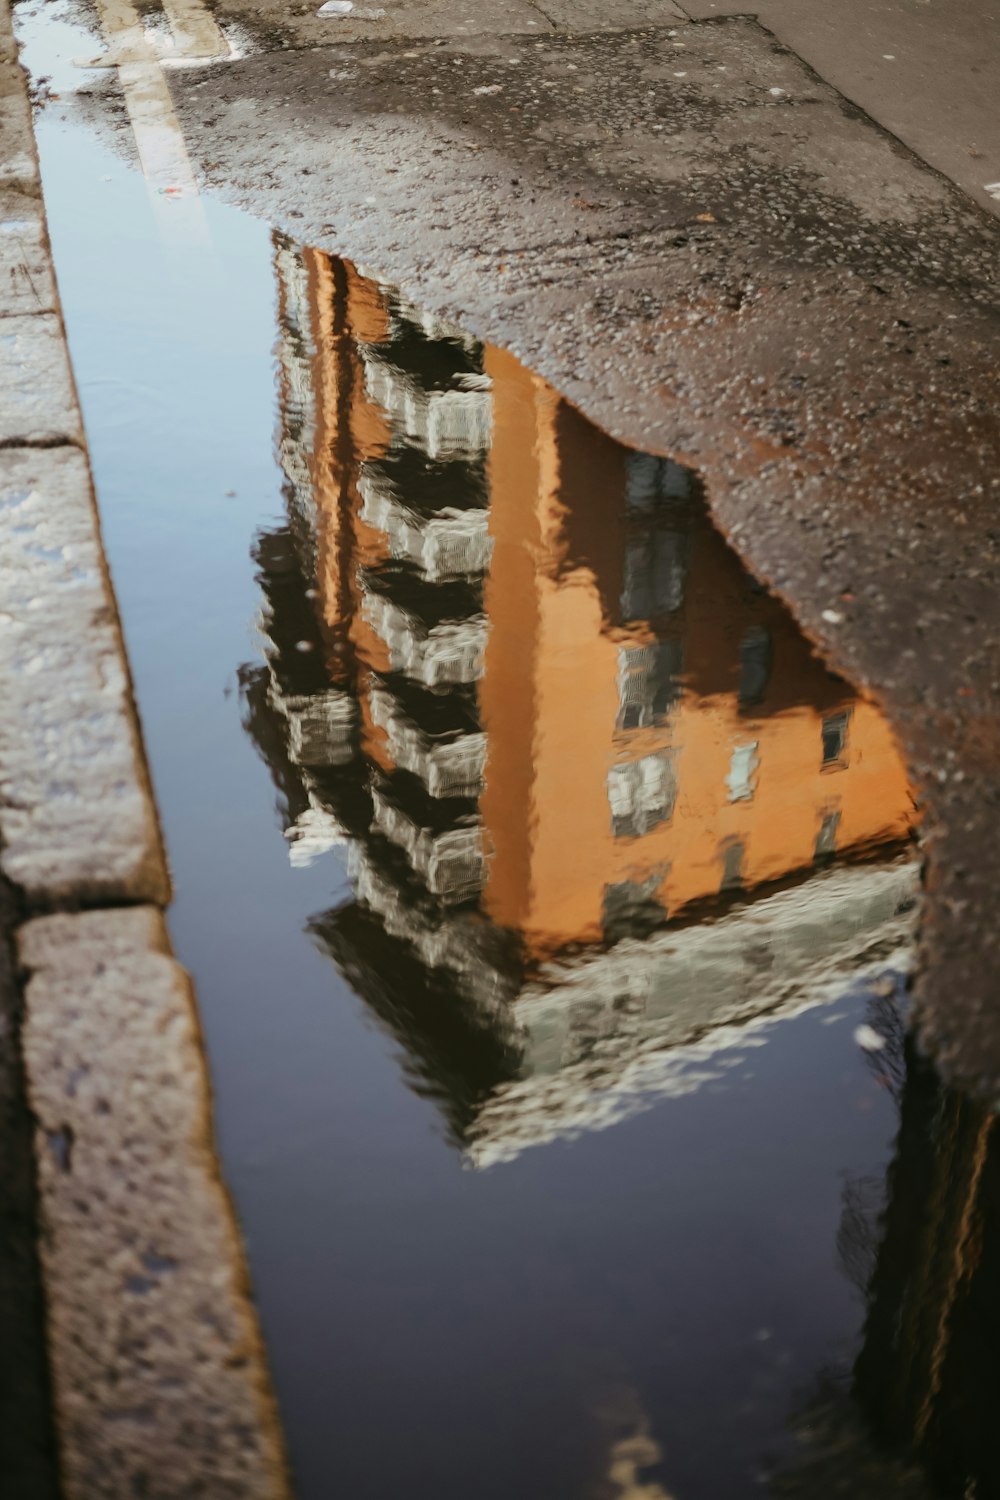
(77, 820)
(37, 400)
(17, 153)
(158, 1370)
(27, 284)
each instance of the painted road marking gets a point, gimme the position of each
(197, 34)
(159, 139)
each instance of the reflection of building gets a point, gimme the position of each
(645, 705)
(929, 1373)
(582, 1042)
(550, 710)
(918, 1418)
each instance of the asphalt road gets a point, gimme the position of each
(927, 71)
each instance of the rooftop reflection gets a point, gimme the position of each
(605, 809)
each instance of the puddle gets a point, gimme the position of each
(549, 905)
(517, 676)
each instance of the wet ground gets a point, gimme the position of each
(551, 907)
(714, 256)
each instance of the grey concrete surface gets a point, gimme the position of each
(37, 400)
(17, 151)
(714, 256)
(275, 25)
(160, 1380)
(76, 815)
(26, 281)
(609, 15)
(927, 70)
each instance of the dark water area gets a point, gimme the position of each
(550, 908)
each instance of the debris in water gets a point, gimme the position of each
(489, 88)
(993, 188)
(833, 617)
(868, 1039)
(336, 8)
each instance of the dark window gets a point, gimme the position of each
(826, 839)
(651, 481)
(633, 908)
(657, 545)
(835, 738)
(732, 866)
(756, 654)
(655, 572)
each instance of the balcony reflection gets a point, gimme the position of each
(605, 811)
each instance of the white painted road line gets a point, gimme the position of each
(197, 34)
(159, 138)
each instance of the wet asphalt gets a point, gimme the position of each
(717, 257)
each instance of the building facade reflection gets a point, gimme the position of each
(515, 669)
(928, 1376)
(915, 1417)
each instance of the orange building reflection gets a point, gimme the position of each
(513, 668)
(574, 701)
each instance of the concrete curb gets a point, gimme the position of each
(160, 1379)
(77, 818)
(157, 1366)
